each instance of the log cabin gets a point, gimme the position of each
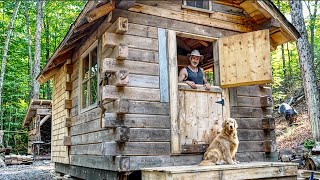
(117, 104)
(38, 122)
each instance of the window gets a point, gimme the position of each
(203, 4)
(89, 78)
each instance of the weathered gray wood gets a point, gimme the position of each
(83, 128)
(194, 148)
(227, 9)
(251, 146)
(266, 101)
(111, 120)
(143, 19)
(87, 149)
(163, 65)
(269, 146)
(67, 141)
(249, 112)
(119, 106)
(135, 148)
(122, 134)
(268, 123)
(86, 116)
(252, 135)
(85, 173)
(67, 122)
(136, 80)
(93, 137)
(148, 134)
(140, 107)
(143, 31)
(98, 162)
(200, 88)
(248, 101)
(132, 93)
(250, 156)
(136, 55)
(254, 91)
(43, 112)
(233, 96)
(133, 67)
(112, 39)
(249, 123)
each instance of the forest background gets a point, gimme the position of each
(58, 16)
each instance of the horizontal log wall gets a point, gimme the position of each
(147, 118)
(249, 109)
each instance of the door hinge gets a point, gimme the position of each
(221, 102)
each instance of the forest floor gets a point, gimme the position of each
(43, 169)
(294, 135)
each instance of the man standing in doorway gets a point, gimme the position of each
(192, 74)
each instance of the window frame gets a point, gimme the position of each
(185, 6)
(82, 109)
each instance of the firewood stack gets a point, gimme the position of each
(18, 159)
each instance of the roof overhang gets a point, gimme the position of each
(32, 110)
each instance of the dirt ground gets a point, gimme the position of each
(294, 135)
(43, 170)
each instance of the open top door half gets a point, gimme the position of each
(245, 59)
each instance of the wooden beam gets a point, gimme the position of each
(43, 120)
(183, 45)
(125, 4)
(266, 101)
(119, 106)
(272, 24)
(100, 11)
(43, 112)
(47, 75)
(122, 77)
(67, 122)
(120, 52)
(268, 123)
(62, 58)
(68, 104)
(68, 86)
(67, 140)
(120, 26)
(122, 134)
(189, 17)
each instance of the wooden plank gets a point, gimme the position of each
(254, 91)
(142, 30)
(133, 93)
(47, 75)
(194, 148)
(122, 134)
(67, 140)
(163, 65)
(111, 120)
(86, 116)
(248, 101)
(68, 68)
(143, 107)
(119, 106)
(173, 92)
(93, 137)
(133, 67)
(84, 172)
(148, 135)
(120, 26)
(93, 161)
(112, 39)
(249, 112)
(100, 11)
(43, 112)
(188, 17)
(252, 135)
(122, 78)
(249, 70)
(251, 146)
(176, 25)
(87, 127)
(249, 123)
(135, 148)
(200, 88)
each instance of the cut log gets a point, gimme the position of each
(100, 11)
(120, 26)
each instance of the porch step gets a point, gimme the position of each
(252, 170)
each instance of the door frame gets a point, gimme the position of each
(173, 83)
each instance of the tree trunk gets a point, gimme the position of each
(307, 68)
(37, 51)
(283, 63)
(46, 27)
(5, 52)
(29, 46)
(289, 76)
(313, 17)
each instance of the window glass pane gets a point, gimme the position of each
(94, 89)
(85, 67)
(84, 95)
(204, 4)
(94, 64)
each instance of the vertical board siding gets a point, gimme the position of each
(163, 65)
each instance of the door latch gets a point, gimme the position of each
(220, 102)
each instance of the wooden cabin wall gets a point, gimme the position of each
(250, 110)
(59, 152)
(147, 118)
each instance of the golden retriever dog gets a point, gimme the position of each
(223, 148)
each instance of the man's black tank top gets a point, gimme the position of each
(195, 77)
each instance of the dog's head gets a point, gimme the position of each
(230, 125)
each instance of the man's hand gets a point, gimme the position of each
(207, 86)
(192, 84)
